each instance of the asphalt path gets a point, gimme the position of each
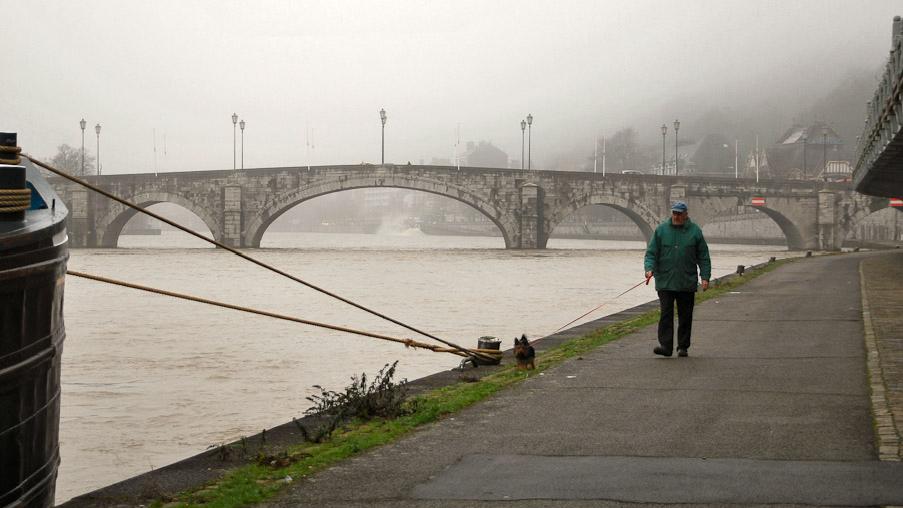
(770, 408)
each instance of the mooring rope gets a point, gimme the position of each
(238, 253)
(594, 309)
(407, 342)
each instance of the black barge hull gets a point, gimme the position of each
(33, 255)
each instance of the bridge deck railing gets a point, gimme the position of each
(883, 118)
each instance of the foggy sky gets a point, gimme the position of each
(581, 68)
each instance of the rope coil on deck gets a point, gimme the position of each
(12, 161)
(15, 200)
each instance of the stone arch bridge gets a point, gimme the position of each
(238, 206)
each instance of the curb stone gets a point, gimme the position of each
(886, 429)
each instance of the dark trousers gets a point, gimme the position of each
(685, 301)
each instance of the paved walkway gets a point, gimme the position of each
(773, 406)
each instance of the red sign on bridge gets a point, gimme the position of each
(758, 201)
(896, 202)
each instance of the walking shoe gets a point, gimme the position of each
(682, 353)
(660, 351)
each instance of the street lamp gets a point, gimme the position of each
(83, 123)
(529, 141)
(824, 144)
(382, 118)
(676, 156)
(664, 132)
(595, 153)
(97, 130)
(523, 127)
(234, 121)
(241, 124)
(805, 138)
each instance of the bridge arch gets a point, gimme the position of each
(791, 231)
(862, 212)
(110, 226)
(645, 219)
(284, 201)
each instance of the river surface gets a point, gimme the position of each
(148, 380)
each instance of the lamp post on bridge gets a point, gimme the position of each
(805, 138)
(603, 155)
(676, 155)
(664, 132)
(234, 121)
(595, 154)
(824, 151)
(83, 123)
(529, 141)
(97, 130)
(523, 127)
(241, 124)
(382, 118)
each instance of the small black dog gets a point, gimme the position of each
(524, 354)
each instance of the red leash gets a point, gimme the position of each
(646, 281)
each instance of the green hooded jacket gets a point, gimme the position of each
(673, 254)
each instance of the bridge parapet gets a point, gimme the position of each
(879, 150)
(526, 206)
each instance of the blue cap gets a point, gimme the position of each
(678, 206)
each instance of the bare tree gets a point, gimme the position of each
(625, 152)
(69, 159)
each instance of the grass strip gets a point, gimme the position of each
(251, 484)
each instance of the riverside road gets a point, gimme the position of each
(773, 406)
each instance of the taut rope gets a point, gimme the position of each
(594, 309)
(407, 342)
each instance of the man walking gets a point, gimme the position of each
(676, 249)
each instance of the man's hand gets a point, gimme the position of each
(705, 285)
(648, 276)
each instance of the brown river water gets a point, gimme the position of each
(148, 380)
